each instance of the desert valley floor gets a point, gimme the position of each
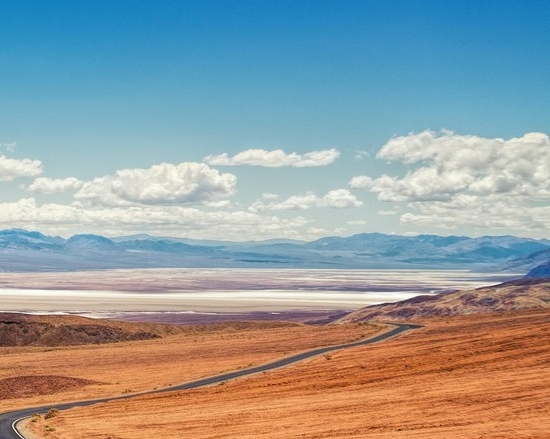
(484, 376)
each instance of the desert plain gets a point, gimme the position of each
(480, 375)
(461, 377)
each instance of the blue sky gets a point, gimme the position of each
(275, 119)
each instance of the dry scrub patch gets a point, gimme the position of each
(27, 386)
(17, 329)
(127, 367)
(484, 376)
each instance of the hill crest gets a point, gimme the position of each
(515, 295)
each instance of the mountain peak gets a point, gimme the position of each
(23, 250)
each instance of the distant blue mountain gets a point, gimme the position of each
(21, 240)
(540, 264)
(89, 242)
(542, 270)
(21, 250)
(434, 249)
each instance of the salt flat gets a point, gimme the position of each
(225, 290)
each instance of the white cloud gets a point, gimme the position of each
(274, 159)
(11, 169)
(25, 211)
(318, 231)
(218, 204)
(357, 222)
(189, 199)
(496, 213)
(186, 183)
(10, 147)
(269, 196)
(452, 164)
(338, 199)
(456, 180)
(45, 185)
(362, 155)
(387, 212)
(155, 219)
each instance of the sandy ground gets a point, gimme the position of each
(462, 377)
(136, 366)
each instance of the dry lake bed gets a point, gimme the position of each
(120, 293)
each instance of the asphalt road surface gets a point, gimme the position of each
(9, 420)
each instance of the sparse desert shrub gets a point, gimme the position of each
(51, 413)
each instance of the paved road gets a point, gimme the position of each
(8, 420)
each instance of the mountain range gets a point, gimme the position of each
(22, 250)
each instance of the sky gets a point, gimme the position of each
(252, 120)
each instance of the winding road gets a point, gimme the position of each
(8, 421)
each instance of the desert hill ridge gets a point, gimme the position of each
(521, 294)
(18, 329)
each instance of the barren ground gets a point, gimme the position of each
(134, 366)
(479, 376)
(519, 294)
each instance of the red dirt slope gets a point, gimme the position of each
(477, 376)
(510, 296)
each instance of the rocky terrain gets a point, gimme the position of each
(515, 295)
(30, 330)
(18, 329)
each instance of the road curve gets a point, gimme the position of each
(8, 421)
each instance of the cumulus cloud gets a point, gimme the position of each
(26, 212)
(494, 213)
(189, 199)
(45, 185)
(466, 180)
(450, 164)
(274, 159)
(338, 199)
(166, 183)
(11, 169)
(155, 219)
